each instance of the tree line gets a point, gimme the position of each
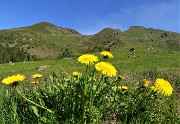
(14, 54)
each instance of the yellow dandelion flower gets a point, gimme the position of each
(88, 59)
(74, 79)
(106, 69)
(163, 87)
(153, 88)
(146, 83)
(123, 87)
(76, 74)
(35, 82)
(15, 79)
(37, 76)
(120, 77)
(106, 54)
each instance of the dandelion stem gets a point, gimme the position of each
(86, 79)
(33, 102)
(63, 69)
(98, 84)
(94, 93)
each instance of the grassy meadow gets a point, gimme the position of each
(66, 87)
(117, 93)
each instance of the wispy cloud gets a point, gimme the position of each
(163, 16)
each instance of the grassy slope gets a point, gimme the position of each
(123, 61)
(46, 41)
(150, 55)
(152, 50)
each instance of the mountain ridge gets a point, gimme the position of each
(44, 40)
(51, 24)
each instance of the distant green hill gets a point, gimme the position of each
(48, 28)
(47, 41)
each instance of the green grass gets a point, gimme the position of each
(88, 98)
(30, 67)
(138, 62)
(54, 99)
(54, 42)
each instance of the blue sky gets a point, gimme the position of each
(91, 16)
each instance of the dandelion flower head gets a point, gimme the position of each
(106, 54)
(106, 69)
(163, 87)
(146, 83)
(37, 76)
(87, 59)
(123, 87)
(120, 77)
(75, 73)
(33, 82)
(13, 79)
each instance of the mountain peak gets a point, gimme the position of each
(43, 24)
(46, 27)
(109, 32)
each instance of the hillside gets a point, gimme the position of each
(47, 41)
(48, 28)
(42, 40)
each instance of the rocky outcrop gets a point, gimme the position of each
(167, 34)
